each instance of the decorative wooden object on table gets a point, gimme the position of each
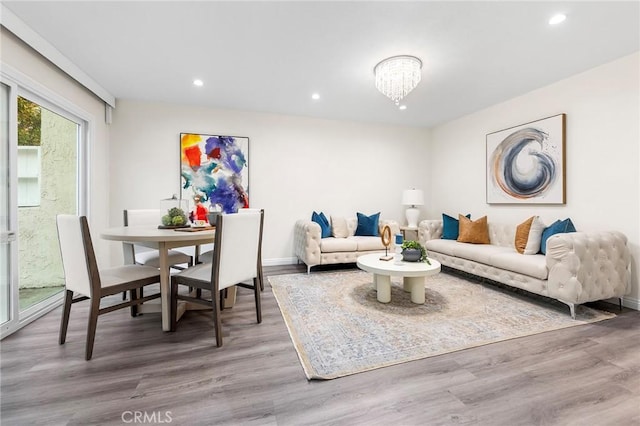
(386, 242)
(196, 229)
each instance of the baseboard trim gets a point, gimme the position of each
(280, 261)
(631, 303)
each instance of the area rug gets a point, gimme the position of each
(339, 328)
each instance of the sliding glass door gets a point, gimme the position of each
(7, 235)
(42, 165)
(47, 174)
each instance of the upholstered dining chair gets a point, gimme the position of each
(207, 256)
(145, 255)
(82, 276)
(236, 254)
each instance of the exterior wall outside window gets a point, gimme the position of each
(40, 263)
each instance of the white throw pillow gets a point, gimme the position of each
(529, 235)
(339, 227)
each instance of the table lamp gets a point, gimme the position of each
(413, 198)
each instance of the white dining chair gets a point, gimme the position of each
(141, 255)
(83, 277)
(145, 255)
(207, 256)
(236, 254)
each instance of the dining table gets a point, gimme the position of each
(163, 240)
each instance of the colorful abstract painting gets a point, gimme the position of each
(526, 163)
(215, 169)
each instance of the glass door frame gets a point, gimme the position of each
(23, 86)
(12, 304)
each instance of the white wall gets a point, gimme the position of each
(602, 155)
(301, 164)
(26, 61)
(296, 164)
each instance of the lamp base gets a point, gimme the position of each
(412, 217)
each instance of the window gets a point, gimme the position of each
(29, 141)
(28, 176)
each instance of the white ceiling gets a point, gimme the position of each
(271, 56)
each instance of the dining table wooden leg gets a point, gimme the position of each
(165, 287)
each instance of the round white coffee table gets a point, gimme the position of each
(413, 275)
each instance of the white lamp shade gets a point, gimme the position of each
(412, 197)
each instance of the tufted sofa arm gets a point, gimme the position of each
(306, 242)
(429, 230)
(589, 266)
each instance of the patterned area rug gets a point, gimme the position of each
(339, 328)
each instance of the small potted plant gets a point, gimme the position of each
(412, 251)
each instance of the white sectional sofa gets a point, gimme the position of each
(578, 267)
(313, 250)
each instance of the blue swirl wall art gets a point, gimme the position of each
(526, 164)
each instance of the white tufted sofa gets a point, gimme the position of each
(313, 250)
(579, 267)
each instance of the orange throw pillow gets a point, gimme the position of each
(529, 235)
(473, 231)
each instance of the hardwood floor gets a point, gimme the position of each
(585, 375)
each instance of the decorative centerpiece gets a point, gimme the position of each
(413, 251)
(175, 218)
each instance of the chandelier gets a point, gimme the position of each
(397, 76)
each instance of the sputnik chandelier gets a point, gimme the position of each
(397, 76)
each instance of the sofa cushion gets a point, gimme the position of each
(367, 225)
(441, 246)
(332, 245)
(352, 225)
(528, 235)
(533, 266)
(502, 234)
(557, 227)
(368, 243)
(479, 253)
(488, 254)
(321, 219)
(473, 231)
(339, 227)
(450, 227)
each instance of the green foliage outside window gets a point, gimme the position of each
(29, 123)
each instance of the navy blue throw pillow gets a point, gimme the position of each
(325, 227)
(368, 225)
(557, 227)
(450, 227)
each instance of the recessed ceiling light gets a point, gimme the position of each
(556, 19)
(315, 96)
(198, 82)
(402, 107)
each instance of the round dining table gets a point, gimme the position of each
(163, 240)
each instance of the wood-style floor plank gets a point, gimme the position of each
(588, 374)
